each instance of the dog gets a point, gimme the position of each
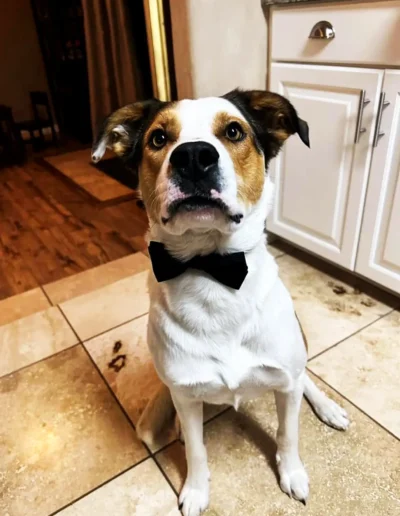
(222, 327)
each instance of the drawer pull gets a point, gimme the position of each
(382, 104)
(322, 30)
(360, 130)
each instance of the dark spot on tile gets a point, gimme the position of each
(336, 306)
(368, 302)
(117, 346)
(354, 311)
(117, 363)
(339, 290)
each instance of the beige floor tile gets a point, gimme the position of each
(278, 248)
(64, 434)
(107, 307)
(275, 251)
(22, 305)
(365, 369)
(141, 491)
(351, 473)
(123, 357)
(93, 279)
(32, 338)
(329, 310)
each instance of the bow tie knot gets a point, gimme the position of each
(228, 269)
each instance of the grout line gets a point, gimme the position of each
(216, 416)
(349, 336)
(113, 327)
(164, 474)
(40, 360)
(150, 453)
(354, 405)
(168, 445)
(72, 502)
(165, 446)
(46, 295)
(99, 372)
(101, 375)
(79, 340)
(69, 324)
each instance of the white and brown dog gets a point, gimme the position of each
(222, 327)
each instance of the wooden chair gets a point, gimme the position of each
(12, 150)
(40, 106)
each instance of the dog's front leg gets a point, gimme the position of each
(193, 498)
(293, 476)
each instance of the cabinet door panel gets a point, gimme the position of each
(379, 251)
(320, 191)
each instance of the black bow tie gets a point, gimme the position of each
(228, 269)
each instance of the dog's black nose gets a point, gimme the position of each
(194, 159)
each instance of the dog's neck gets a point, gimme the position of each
(248, 236)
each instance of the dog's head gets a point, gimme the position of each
(201, 163)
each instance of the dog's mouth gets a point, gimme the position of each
(200, 204)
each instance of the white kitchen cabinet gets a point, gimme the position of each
(320, 192)
(379, 249)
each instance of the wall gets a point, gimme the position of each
(21, 64)
(228, 45)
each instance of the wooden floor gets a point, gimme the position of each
(50, 230)
(77, 167)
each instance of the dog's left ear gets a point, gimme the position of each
(272, 116)
(123, 131)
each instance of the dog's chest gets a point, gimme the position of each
(222, 348)
(239, 376)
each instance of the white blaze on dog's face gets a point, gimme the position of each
(202, 163)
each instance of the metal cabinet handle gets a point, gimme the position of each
(322, 30)
(360, 130)
(382, 104)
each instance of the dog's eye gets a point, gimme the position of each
(115, 137)
(158, 139)
(234, 132)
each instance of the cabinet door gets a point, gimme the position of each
(320, 191)
(379, 250)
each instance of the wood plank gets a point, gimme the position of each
(77, 168)
(49, 230)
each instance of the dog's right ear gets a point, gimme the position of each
(123, 130)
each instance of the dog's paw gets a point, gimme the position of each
(194, 500)
(293, 479)
(333, 415)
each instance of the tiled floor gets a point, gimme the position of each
(75, 374)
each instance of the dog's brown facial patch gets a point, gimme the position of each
(247, 160)
(115, 131)
(168, 122)
(276, 113)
